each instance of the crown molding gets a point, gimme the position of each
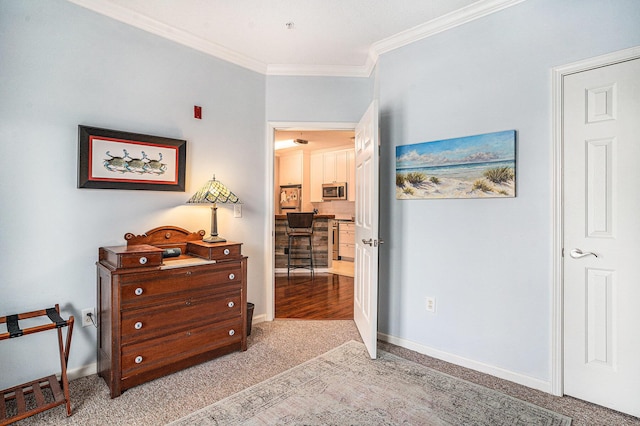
(163, 30)
(326, 70)
(446, 22)
(317, 70)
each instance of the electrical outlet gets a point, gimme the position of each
(88, 314)
(237, 210)
(431, 304)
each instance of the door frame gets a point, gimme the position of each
(557, 306)
(270, 222)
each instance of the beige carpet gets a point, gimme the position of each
(274, 347)
(345, 387)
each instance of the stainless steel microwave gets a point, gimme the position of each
(334, 191)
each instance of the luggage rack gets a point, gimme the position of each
(13, 404)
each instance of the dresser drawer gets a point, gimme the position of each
(124, 257)
(185, 312)
(144, 289)
(142, 357)
(215, 251)
(229, 272)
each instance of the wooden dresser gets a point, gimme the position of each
(158, 315)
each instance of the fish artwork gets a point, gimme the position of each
(128, 164)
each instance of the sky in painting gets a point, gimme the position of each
(489, 147)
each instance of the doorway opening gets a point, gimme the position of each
(317, 153)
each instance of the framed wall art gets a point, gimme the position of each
(111, 159)
(476, 166)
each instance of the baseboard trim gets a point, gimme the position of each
(259, 318)
(501, 373)
(79, 372)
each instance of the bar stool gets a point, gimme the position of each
(300, 225)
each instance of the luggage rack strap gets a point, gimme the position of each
(12, 326)
(55, 317)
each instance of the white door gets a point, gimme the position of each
(365, 309)
(601, 175)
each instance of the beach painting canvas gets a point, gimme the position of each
(477, 166)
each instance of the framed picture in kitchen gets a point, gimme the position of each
(112, 159)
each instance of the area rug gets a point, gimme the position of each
(345, 387)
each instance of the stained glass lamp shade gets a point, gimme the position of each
(214, 192)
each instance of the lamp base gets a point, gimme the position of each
(214, 239)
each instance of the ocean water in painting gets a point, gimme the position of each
(457, 168)
(465, 171)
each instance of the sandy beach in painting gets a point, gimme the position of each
(454, 188)
(479, 166)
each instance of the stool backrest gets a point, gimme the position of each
(300, 220)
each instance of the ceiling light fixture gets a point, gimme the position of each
(289, 143)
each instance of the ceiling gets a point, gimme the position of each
(296, 37)
(317, 139)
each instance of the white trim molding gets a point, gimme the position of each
(446, 22)
(501, 373)
(79, 372)
(557, 291)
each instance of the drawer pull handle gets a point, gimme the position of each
(137, 325)
(188, 303)
(232, 332)
(188, 272)
(232, 276)
(188, 333)
(143, 260)
(231, 304)
(139, 291)
(138, 359)
(226, 252)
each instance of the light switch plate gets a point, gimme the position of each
(237, 210)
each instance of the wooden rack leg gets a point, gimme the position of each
(64, 358)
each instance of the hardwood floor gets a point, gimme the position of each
(325, 296)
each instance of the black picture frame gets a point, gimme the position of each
(113, 159)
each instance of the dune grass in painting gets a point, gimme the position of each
(471, 167)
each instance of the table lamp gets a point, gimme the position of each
(214, 192)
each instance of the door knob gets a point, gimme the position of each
(369, 241)
(577, 253)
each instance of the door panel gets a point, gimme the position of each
(601, 143)
(366, 245)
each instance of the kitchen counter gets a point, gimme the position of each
(316, 217)
(320, 240)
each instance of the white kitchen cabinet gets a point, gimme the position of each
(291, 169)
(347, 240)
(336, 166)
(316, 165)
(351, 179)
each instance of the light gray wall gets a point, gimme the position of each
(319, 99)
(62, 65)
(488, 262)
